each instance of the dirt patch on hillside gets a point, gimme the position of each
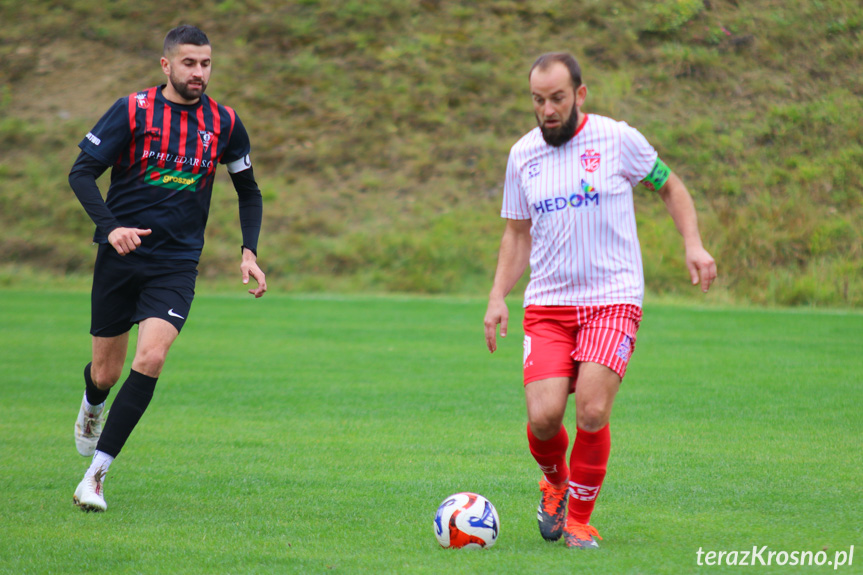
(77, 80)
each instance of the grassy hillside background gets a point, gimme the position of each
(380, 132)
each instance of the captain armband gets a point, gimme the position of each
(240, 165)
(657, 176)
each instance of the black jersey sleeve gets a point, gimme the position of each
(82, 178)
(111, 135)
(238, 144)
(239, 165)
(251, 206)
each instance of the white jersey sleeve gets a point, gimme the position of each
(515, 206)
(638, 156)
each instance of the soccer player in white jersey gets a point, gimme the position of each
(569, 214)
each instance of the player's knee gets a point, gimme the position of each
(592, 418)
(104, 377)
(592, 422)
(545, 426)
(150, 362)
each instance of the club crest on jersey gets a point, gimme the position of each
(206, 138)
(533, 170)
(590, 160)
(143, 103)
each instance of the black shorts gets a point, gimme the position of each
(131, 288)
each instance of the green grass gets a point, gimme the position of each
(318, 435)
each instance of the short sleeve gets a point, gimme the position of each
(515, 206)
(238, 145)
(638, 156)
(111, 135)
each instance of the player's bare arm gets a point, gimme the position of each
(513, 259)
(678, 201)
(249, 268)
(127, 240)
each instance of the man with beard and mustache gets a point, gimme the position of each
(568, 205)
(163, 145)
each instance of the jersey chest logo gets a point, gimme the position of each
(206, 138)
(590, 160)
(172, 179)
(586, 198)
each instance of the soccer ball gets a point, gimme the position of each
(466, 520)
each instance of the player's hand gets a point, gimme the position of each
(127, 240)
(701, 267)
(497, 313)
(249, 268)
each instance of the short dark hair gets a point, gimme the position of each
(184, 35)
(565, 58)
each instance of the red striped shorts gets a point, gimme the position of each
(557, 338)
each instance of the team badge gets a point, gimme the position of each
(624, 350)
(590, 160)
(533, 170)
(143, 103)
(206, 138)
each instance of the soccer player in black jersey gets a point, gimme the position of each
(163, 145)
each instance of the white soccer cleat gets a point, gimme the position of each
(88, 428)
(89, 495)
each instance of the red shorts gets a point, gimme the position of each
(557, 338)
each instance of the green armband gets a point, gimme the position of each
(657, 176)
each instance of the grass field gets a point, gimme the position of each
(318, 435)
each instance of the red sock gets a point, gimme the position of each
(551, 455)
(587, 462)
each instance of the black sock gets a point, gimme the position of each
(128, 407)
(95, 396)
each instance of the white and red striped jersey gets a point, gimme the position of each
(578, 196)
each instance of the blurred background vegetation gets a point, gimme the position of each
(381, 128)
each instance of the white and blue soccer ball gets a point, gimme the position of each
(466, 520)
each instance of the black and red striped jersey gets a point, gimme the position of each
(164, 157)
